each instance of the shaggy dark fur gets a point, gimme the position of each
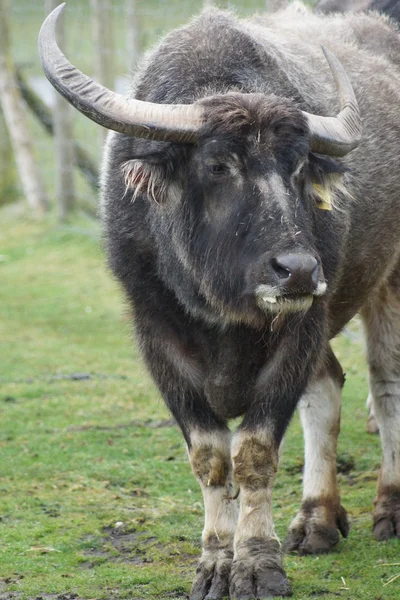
(192, 230)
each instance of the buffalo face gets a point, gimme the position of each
(233, 214)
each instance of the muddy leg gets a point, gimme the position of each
(210, 460)
(316, 527)
(257, 570)
(170, 346)
(382, 326)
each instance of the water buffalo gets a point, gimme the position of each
(248, 224)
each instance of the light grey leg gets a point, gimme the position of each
(210, 459)
(381, 320)
(315, 528)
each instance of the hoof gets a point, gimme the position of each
(387, 516)
(316, 529)
(386, 528)
(257, 573)
(258, 581)
(212, 580)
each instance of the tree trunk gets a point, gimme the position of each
(15, 118)
(63, 145)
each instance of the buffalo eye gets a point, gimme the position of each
(218, 169)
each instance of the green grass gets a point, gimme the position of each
(79, 456)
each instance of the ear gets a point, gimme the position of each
(326, 177)
(145, 178)
(152, 170)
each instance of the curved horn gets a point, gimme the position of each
(167, 122)
(337, 136)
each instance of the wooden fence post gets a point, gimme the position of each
(103, 42)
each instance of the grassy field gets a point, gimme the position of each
(96, 497)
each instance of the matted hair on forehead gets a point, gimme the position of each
(243, 113)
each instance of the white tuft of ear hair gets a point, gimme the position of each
(143, 178)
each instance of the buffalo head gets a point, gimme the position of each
(229, 182)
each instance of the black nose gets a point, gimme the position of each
(296, 272)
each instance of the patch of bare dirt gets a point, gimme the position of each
(129, 543)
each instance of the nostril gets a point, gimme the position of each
(300, 271)
(282, 271)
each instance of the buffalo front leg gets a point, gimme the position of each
(382, 326)
(210, 459)
(316, 527)
(257, 570)
(208, 443)
(179, 378)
